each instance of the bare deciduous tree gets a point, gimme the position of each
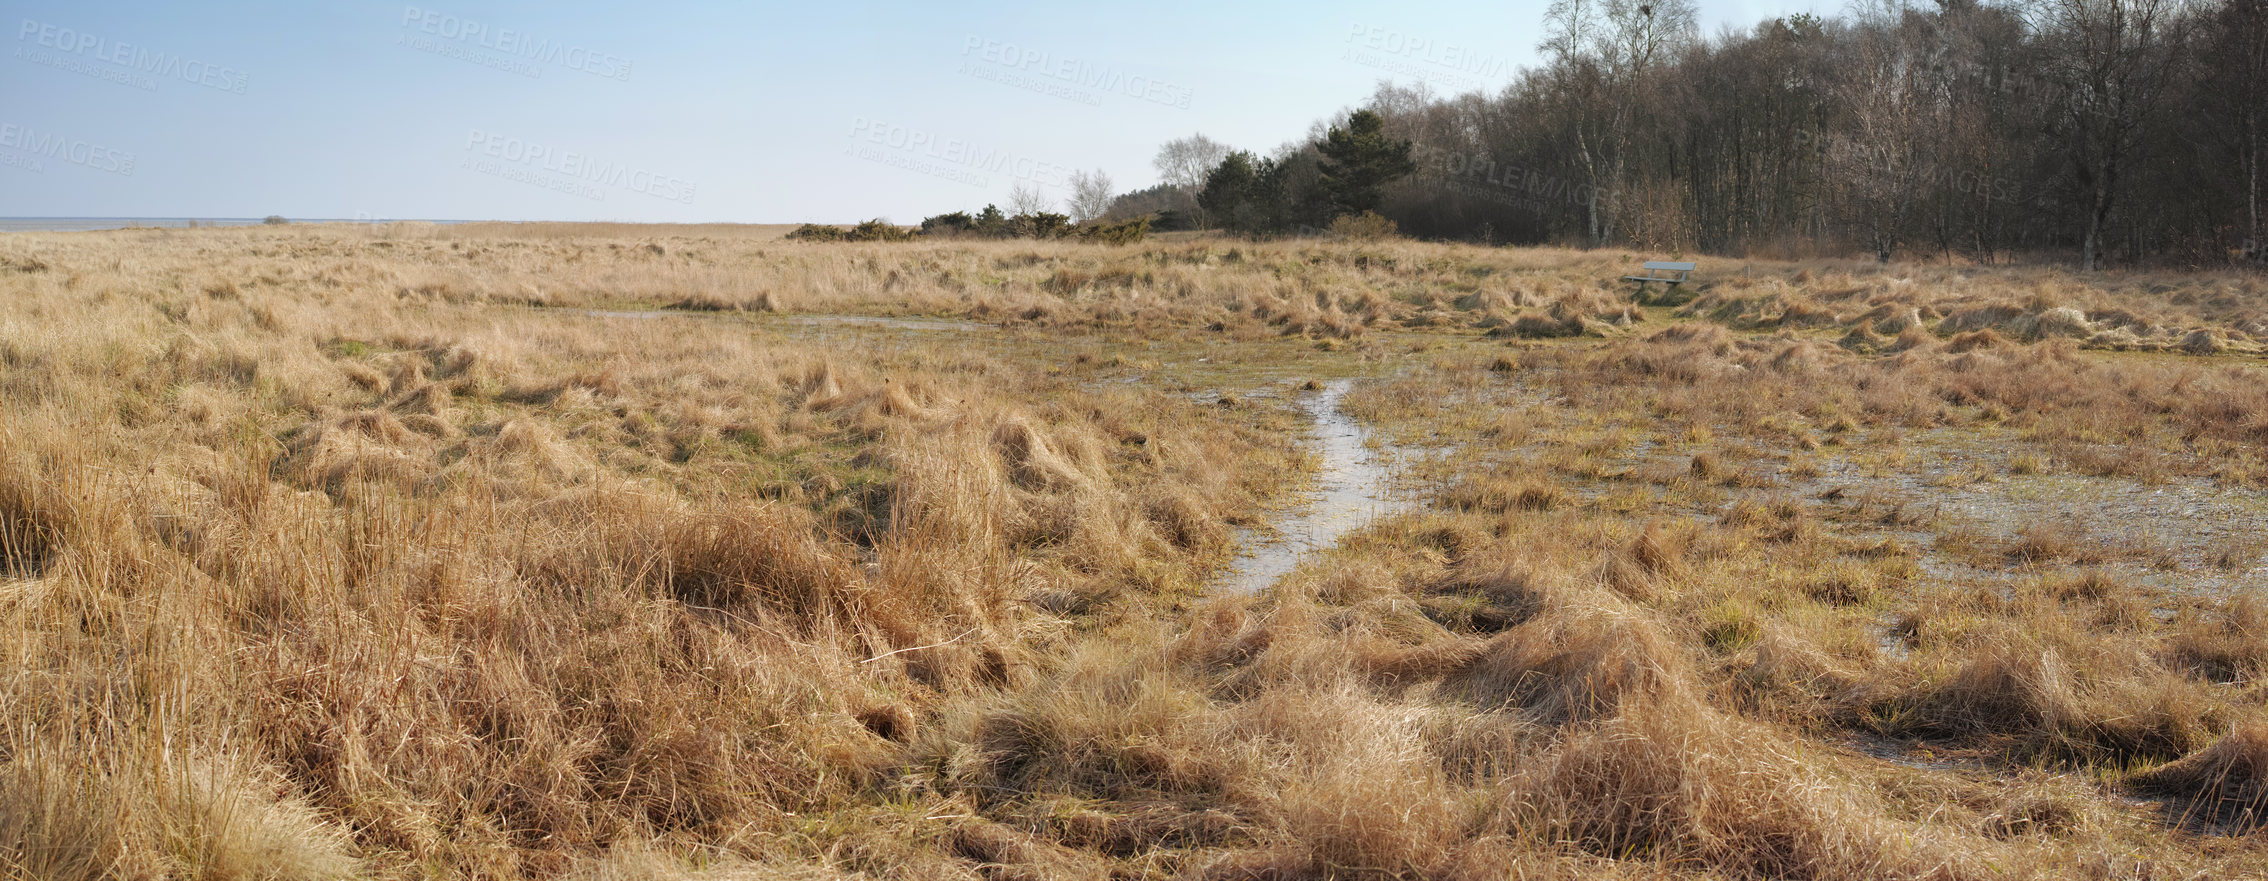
(1090, 195)
(2109, 59)
(1183, 163)
(1028, 198)
(1877, 161)
(2236, 77)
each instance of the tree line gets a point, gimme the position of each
(2111, 131)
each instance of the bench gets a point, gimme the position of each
(1667, 273)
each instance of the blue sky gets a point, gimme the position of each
(756, 112)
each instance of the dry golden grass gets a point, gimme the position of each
(323, 554)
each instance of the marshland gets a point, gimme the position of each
(615, 551)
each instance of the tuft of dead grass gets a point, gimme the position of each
(2225, 783)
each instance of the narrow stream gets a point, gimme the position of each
(1350, 490)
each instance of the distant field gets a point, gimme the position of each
(520, 550)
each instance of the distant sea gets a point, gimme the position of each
(73, 224)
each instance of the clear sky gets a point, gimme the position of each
(826, 110)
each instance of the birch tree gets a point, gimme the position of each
(1604, 50)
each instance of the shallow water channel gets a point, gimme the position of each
(802, 319)
(1350, 490)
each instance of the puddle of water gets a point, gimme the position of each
(799, 320)
(892, 323)
(1351, 489)
(631, 313)
(2191, 519)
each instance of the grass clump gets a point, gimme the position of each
(2225, 783)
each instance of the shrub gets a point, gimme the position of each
(817, 232)
(879, 230)
(992, 224)
(876, 230)
(1121, 233)
(956, 223)
(1043, 225)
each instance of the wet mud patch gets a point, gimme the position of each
(1977, 517)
